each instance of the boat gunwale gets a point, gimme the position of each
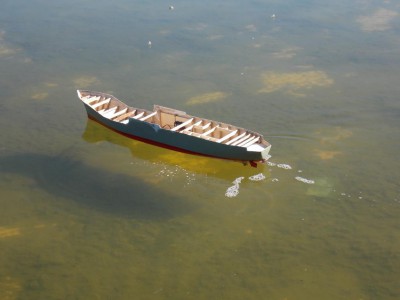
(265, 145)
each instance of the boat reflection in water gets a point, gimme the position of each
(224, 169)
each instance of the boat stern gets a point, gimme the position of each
(265, 153)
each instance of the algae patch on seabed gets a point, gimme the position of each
(85, 81)
(5, 50)
(9, 288)
(321, 188)
(332, 135)
(40, 96)
(51, 84)
(215, 37)
(251, 27)
(6, 232)
(378, 21)
(329, 138)
(207, 98)
(294, 83)
(326, 155)
(286, 53)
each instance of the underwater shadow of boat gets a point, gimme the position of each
(224, 169)
(108, 192)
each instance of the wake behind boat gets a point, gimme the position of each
(176, 130)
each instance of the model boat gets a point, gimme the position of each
(176, 130)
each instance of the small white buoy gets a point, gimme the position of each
(149, 44)
(171, 7)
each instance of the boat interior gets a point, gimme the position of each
(174, 120)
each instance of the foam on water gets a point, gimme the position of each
(238, 180)
(257, 177)
(178, 172)
(233, 191)
(279, 165)
(284, 166)
(308, 181)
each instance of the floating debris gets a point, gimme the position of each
(149, 43)
(171, 7)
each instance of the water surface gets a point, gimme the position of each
(89, 214)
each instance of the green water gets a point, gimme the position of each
(88, 214)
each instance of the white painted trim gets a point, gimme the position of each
(226, 136)
(246, 141)
(138, 115)
(241, 140)
(118, 113)
(235, 139)
(208, 132)
(148, 116)
(251, 142)
(94, 106)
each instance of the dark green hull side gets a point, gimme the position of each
(154, 134)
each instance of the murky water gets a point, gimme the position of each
(88, 214)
